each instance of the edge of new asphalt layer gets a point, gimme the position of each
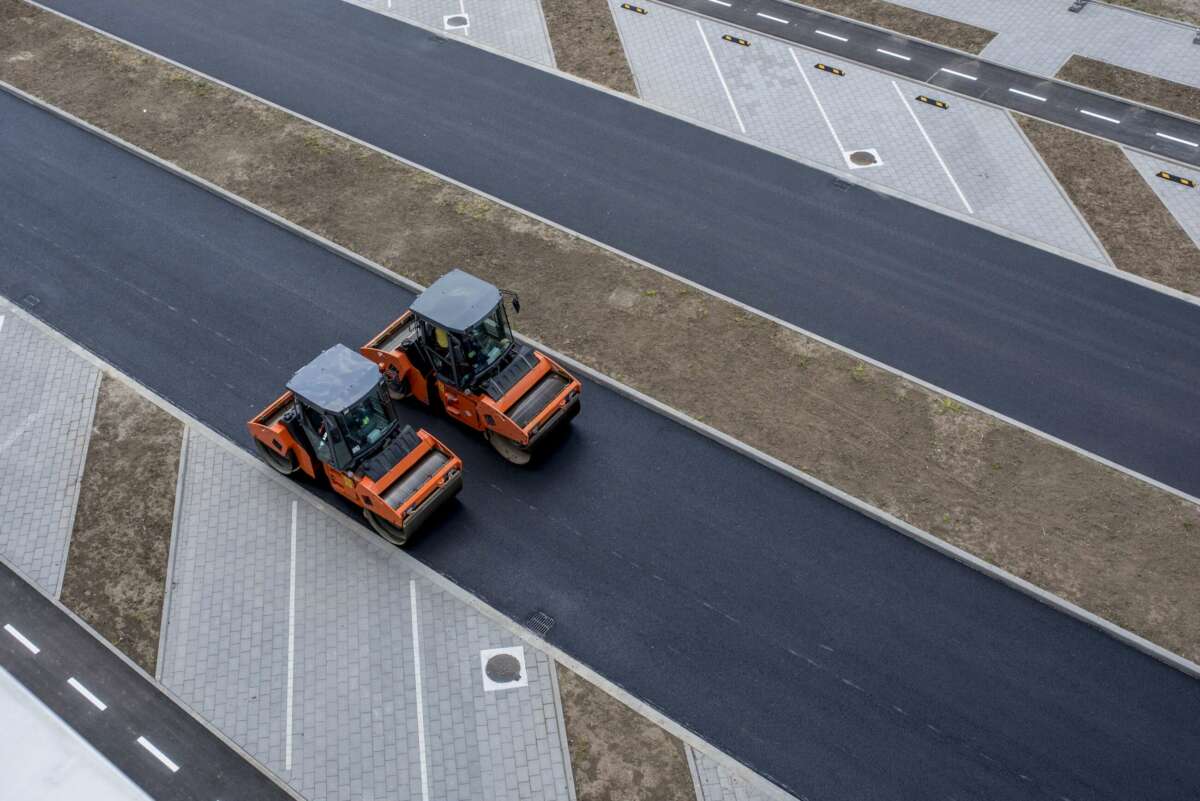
(1117, 632)
(166, 691)
(1178, 295)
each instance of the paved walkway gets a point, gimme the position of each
(47, 396)
(1182, 201)
(319, 650)
(970, 158)
(514, 27)
(1040, 35)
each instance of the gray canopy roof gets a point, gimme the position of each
(335, 380)
(456, 301)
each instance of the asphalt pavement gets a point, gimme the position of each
(145, 734)
(1073, 351)
(824, 650)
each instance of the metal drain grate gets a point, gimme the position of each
(30, 301)
(838, 183)
(539, 623)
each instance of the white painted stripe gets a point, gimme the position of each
(1099, 116)
(890, 53)
(721, 3)
(86, 693)
(720, 77)
(291, 663)
(1159, 134)
(959, 74)
(817, 100)
(1, 322)
(820, 32)
(773, 19)
(936, 154)
(416, 634)
(21, 638)
(159, 755)
(1027, 94)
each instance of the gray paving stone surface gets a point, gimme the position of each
(355, 696)
(1182, 201)
(47, 398)
(1040, 35)
(514, 27)
(716, 783)
(780, 97)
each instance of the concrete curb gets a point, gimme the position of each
(172, 550)
(695, 771)
(958, 554)
(237, 749)
(564, 743)
(78, 487)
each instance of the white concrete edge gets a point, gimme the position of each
(77, 487)
(413, 286)
(847, 177)
(237, 749)
(612, 13)
(695, 771)
(553, 55)
(1156, 17)
(563, 742)
(172, 549)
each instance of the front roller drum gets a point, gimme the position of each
(511, 451)
(395, 535)
(284, 465)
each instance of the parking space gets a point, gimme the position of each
(514, 27)
(1181, 198)
(47, 400)
(962, 156)
(324, 655)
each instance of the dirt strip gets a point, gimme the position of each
(1114, 545)
(1137, 86)
(117, 563)
(586, 43)
(909, 22)
(617, 754)
(1185, 11)
(1138, 231)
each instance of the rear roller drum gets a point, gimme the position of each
(285, 465)
(393, 534)
(510, 450)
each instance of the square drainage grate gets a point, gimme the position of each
(539, 623)
(29, 301)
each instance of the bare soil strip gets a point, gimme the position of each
(117, 563)
(909, 22)
(1185, 11)
(1110, 543)
(586, 43)
(1136, 229)
(1137, 86)
(617, 754)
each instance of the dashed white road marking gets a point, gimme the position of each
(291, 664)
(720, 77)
(86, 693)
(1099, 116)
(721, 3)
(1027, 94)
(773, 19)
(817, 100)
(1159, 134)
(412, 593)
(959, 74)
(21, 638)
(1, 322)
(829, 35)
(890, 53)
(936, 154)
(159, 755)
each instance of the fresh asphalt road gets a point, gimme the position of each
(206, 768)
(823, 649)
(1092, 359)
(1066, 104)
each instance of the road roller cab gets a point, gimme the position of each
(336, 422)
(454, 348)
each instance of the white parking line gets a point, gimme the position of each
(291, 663)
(817, 100)
(1099, 116)
(773, 19)
(1159, 134)
(820, 32)
(86, 693)
(159, 755)
(720, 77)
(721, 3)
(21, 638)
(1027, 94)
(890, 53)
(1, 322)
(936, 154)
(959, 74)
(412, 594)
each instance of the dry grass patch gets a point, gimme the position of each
(1185, 11)
(909, 22)
(1137, 86)
(586, 43)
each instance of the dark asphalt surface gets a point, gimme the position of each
(208, 768)
(1094, 360)
(783, 627)
(1135, 125)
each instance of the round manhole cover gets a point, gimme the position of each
(863, 158)
(456, 21)
(503, 668)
